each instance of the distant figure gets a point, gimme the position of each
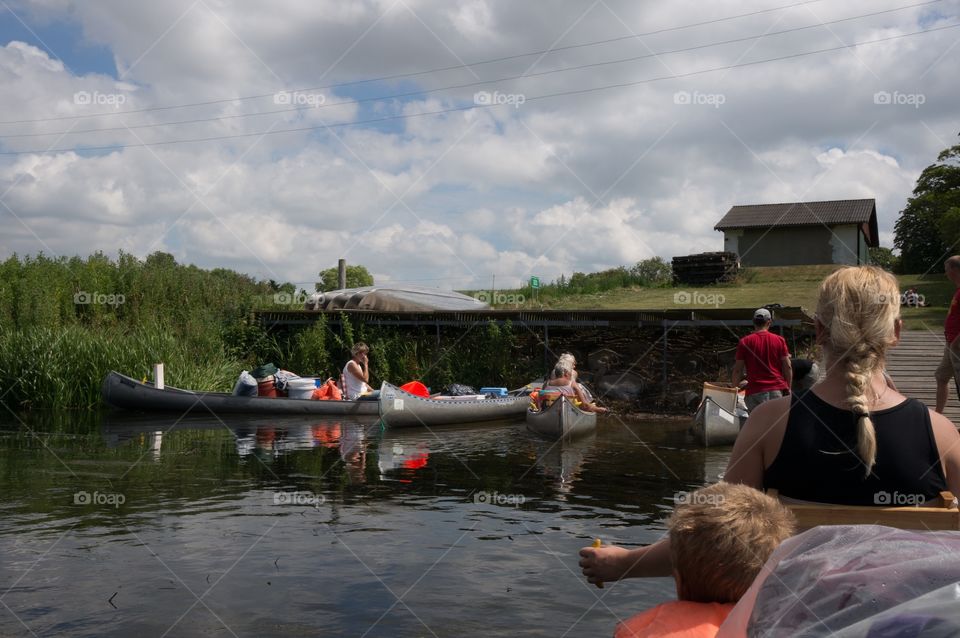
(561, 380)
(766, 359)
(951, 330)
(720, 537)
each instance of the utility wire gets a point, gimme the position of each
(410, 74)
(468, 84)
(478, 106)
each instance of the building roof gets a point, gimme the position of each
(829, 213)
(392, 299)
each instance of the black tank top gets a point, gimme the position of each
(815, 461)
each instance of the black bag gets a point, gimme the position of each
(459, 390)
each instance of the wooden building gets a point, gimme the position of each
(790, 234)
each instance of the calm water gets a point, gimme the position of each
(121, 525)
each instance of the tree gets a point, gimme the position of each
(652, 272)
(884, 257)
(928, 229)
(357, 277)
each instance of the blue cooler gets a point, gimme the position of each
(498, 392)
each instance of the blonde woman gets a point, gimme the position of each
(850, 440)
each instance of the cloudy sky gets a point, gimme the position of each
(443, 142)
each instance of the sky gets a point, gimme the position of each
(451, 144)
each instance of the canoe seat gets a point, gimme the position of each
(942, 514)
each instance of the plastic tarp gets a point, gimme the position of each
(393, 299)
(863, 580)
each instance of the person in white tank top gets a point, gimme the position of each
(356, 373)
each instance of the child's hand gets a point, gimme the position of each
(603, 563)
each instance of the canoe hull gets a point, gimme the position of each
(399, 408)
(561, 420)
(123, 392)
(715, 426)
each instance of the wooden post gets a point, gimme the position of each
(546, 347)
(663, 380)
(341, 274)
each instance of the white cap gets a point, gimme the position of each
(762, 313)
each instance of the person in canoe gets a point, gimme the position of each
(850, 440)
(562, 381)
(356, 375)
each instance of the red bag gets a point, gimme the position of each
(417, 388)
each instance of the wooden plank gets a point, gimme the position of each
(942, 516)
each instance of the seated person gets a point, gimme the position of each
(720, 538)
(561, 380)
(356, 374)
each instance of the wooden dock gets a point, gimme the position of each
(912, 363)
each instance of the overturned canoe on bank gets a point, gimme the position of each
(121, 391)
(399, 408)
(561, 420)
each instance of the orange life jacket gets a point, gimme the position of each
(679, 619)
(327, 392)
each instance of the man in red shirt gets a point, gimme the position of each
(951, 330)
(766, 359)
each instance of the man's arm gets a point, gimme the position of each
(787, 371)
(359, 372)
(737, 372)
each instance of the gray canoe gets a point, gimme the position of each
(713, 425)
(561, 420)
(399, 408)
(121, 391)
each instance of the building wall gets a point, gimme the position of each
(784, 246)
(845, 242)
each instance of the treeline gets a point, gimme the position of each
(650, 273)
(66, 322)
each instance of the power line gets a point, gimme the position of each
(469, 84)
(478, 106)
(397, 76)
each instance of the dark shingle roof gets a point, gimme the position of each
(841, 211)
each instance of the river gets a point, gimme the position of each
(124, 525)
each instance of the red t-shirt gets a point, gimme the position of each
(951, 327)
(762, 353)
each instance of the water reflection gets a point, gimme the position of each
(200, 491)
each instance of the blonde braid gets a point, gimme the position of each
(860, 365)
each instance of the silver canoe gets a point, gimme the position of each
(714, 425)
(562, 419)
(399, 408)
(121, 391)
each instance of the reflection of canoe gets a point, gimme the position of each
(714, 425)
(399, 408)
(563, 459)
(120, 391)
(562, 419)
